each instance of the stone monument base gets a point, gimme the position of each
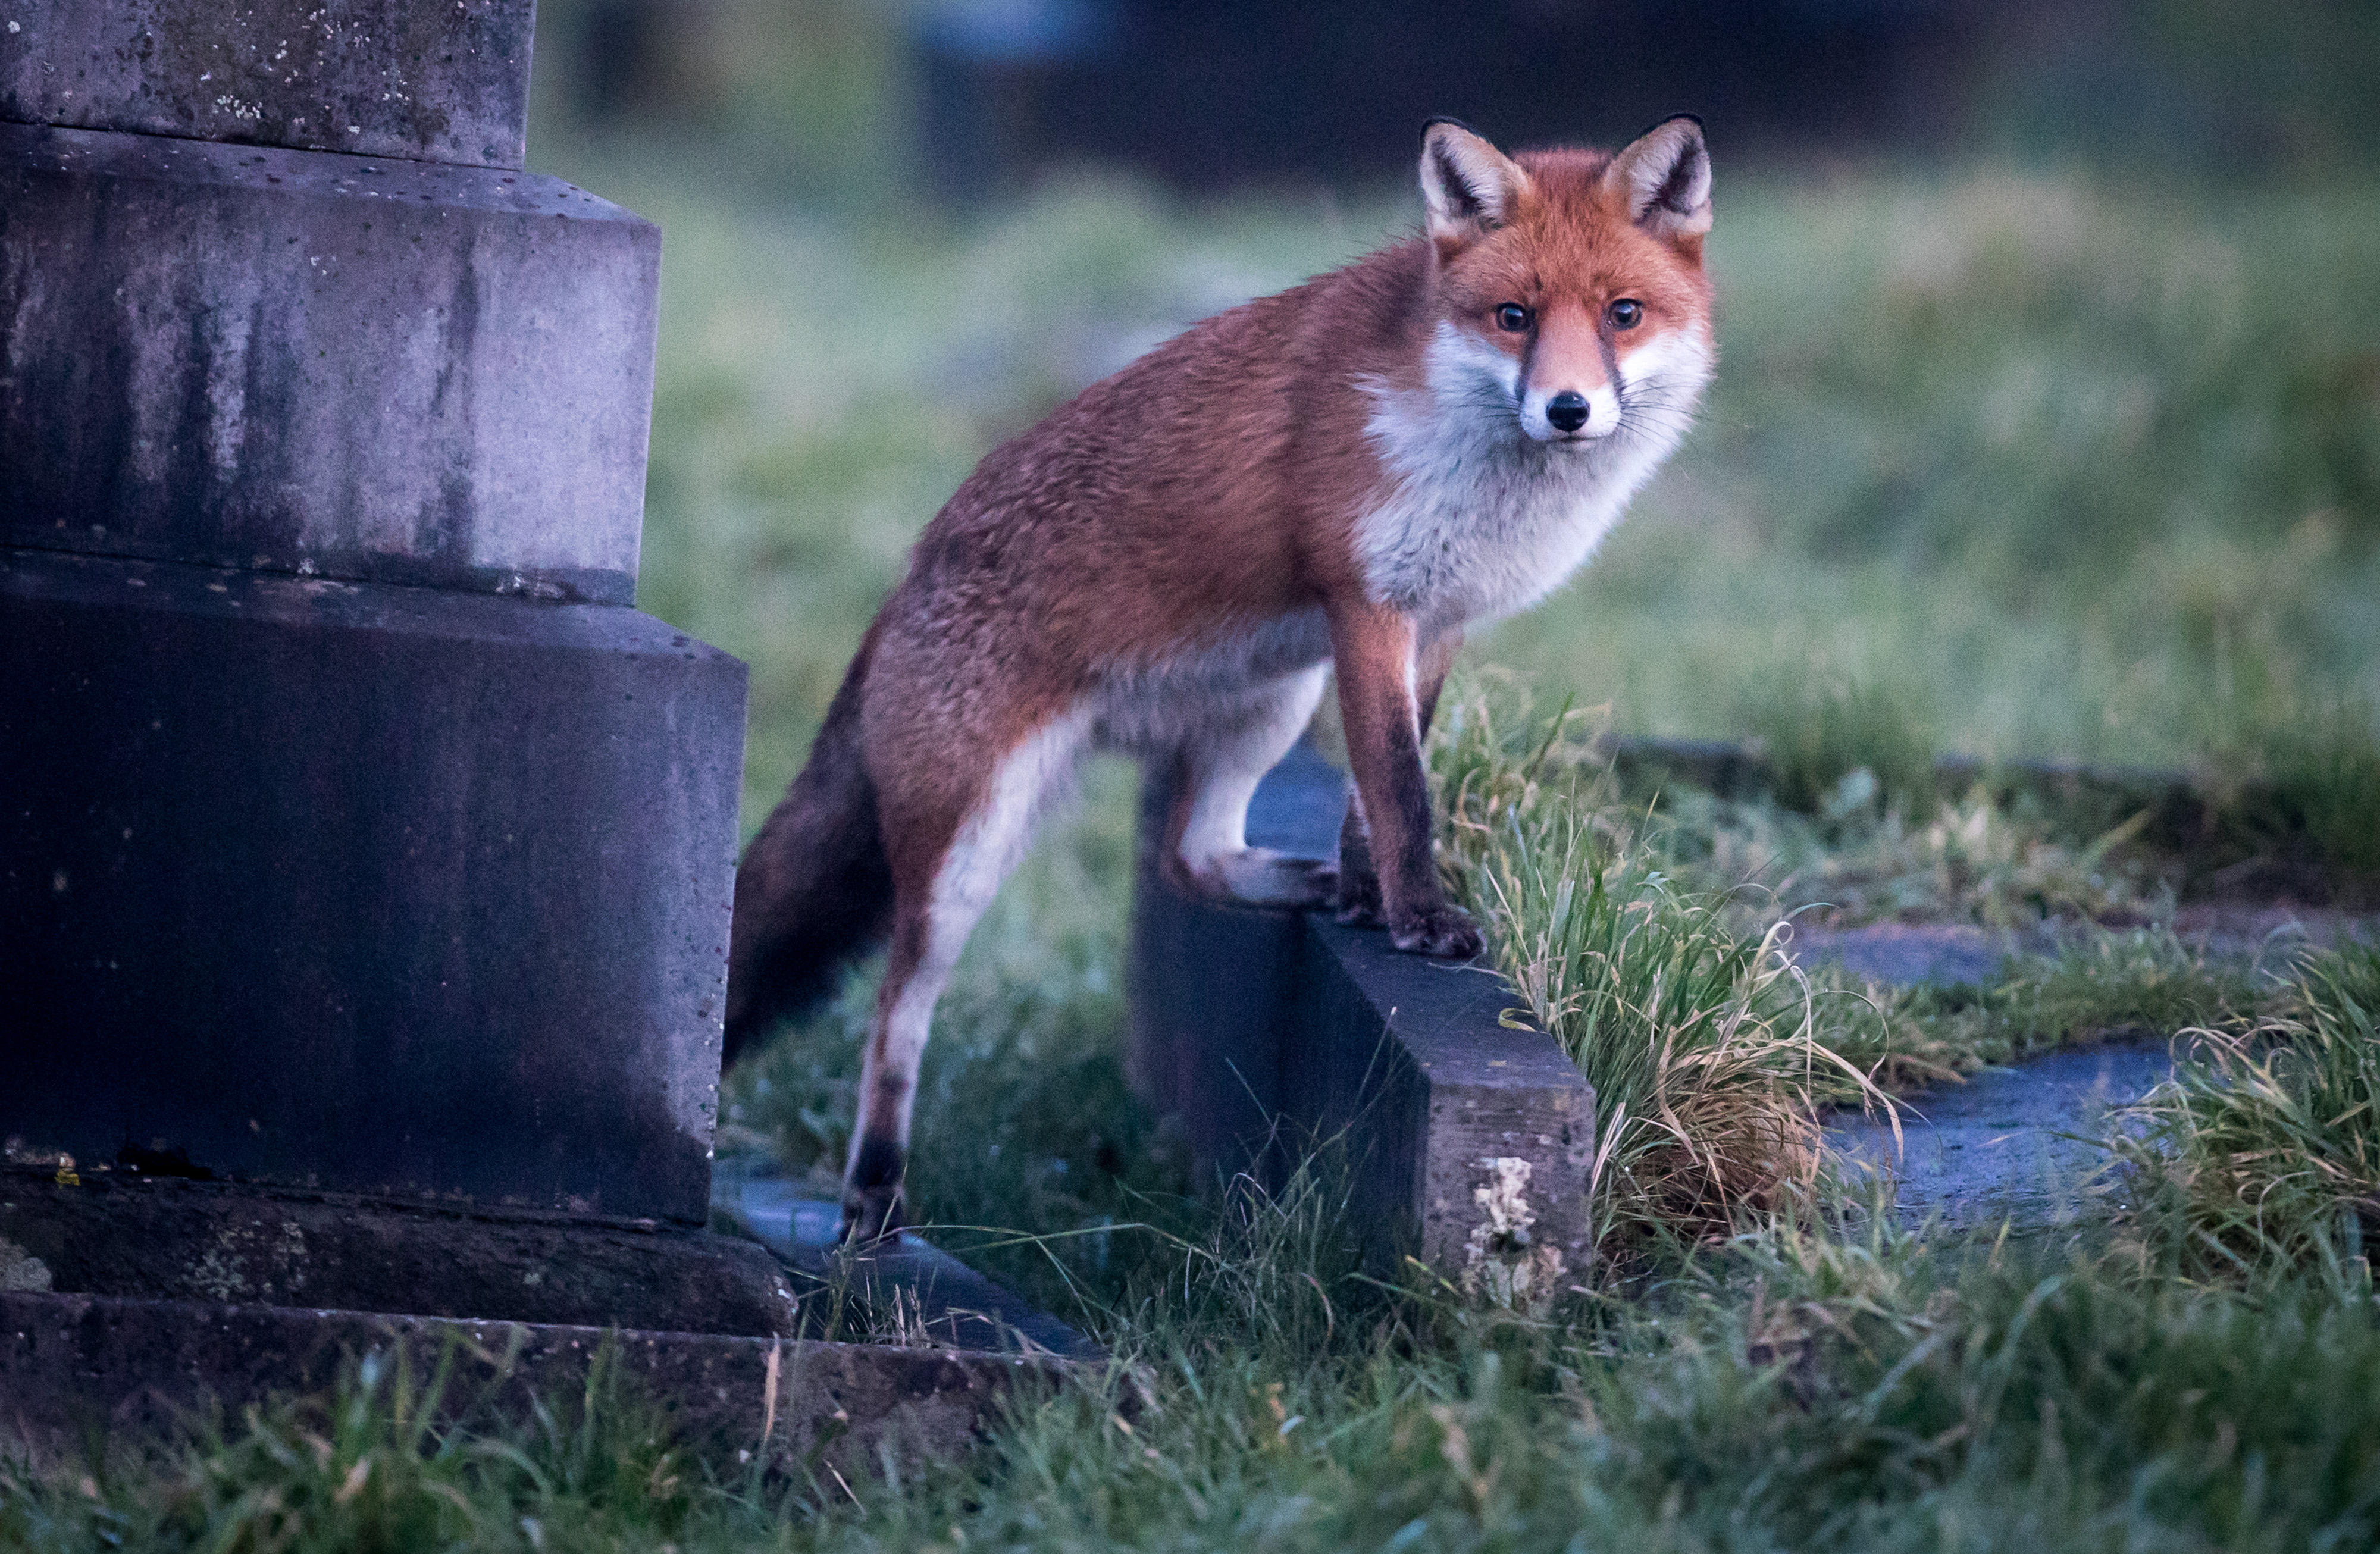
(77, 1370)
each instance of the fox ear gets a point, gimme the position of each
(1469, 186)
(1666, 173)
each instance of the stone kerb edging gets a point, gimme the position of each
(1468, 1142)
(2179, 808)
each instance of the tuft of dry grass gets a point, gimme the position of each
(1708, 1051)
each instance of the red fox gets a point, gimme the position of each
(1346, 475)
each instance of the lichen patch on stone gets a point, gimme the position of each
(1499, 1261)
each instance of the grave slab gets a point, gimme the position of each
(363, 888)
(951, 1301)
(334, 366)
(447, 82)
(1468, 1142)
(2014, 1143)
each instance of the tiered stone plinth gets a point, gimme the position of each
(366, 859)
(359, 835)
(387, 890)
(337, 366)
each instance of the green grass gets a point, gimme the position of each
(2267, 1141)
(1980, 859)
(1841, 748)
(1793, 1388)
(1709, 1053)
(1713, 1052)
(2141, 982)
(391, 1458)
(2320, 795)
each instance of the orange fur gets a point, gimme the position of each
(1346, 473)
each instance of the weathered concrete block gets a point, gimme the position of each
(76, 1368)
(384, 370)
(446, 82)
(127, 1232)
(1266, 1031)
(1473, 1139)
(384, 889)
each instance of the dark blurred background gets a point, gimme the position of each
(980, 95)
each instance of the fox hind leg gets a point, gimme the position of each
(931, 927)
(1223, 764)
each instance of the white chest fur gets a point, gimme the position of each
(1479, 520)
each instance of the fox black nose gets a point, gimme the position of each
(1567, 410)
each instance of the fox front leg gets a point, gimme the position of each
(1388, 682)
(1358, 900)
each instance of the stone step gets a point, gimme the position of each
(123, 1230)
(334, 366)
(946, 1300)
(84, 1371)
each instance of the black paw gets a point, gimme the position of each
(1444, 933)
(870, 1215)
(871, 1193)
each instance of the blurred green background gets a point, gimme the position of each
(2048, 420)
(2049, 404)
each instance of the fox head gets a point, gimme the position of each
(1569, 285)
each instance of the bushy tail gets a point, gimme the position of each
(814, 891)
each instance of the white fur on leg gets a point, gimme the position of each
(1227, 761)
(987, 847)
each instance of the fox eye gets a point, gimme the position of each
(1511, 318)
(1626, 313)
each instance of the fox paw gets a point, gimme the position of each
(1265, 878)
(1443, 932)
(871, 1194)
(870, 1216)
